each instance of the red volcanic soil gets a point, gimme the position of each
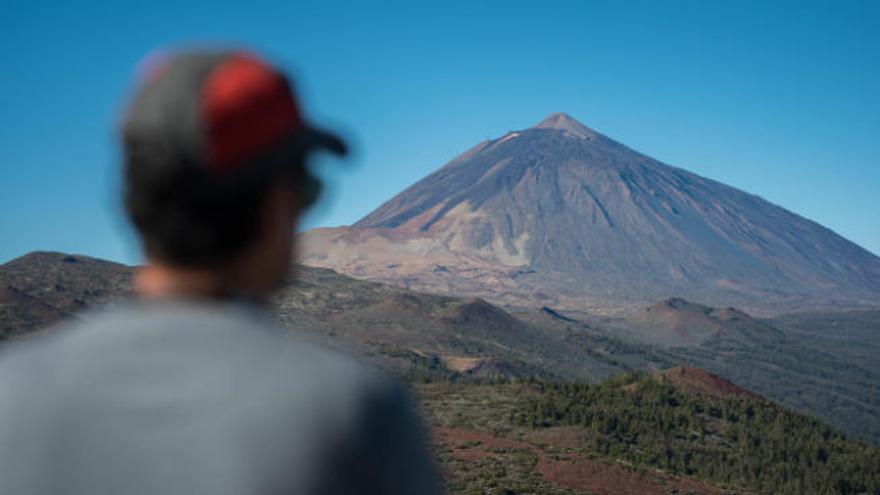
(469, 445)
(489, 318)
(592, 476)
(570, 470)
(679, 317)
(700, 381)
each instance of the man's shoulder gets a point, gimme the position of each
(224, 378)
(236, 343)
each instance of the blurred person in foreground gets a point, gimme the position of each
(190, 388)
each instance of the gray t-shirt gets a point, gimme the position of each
(186, 398)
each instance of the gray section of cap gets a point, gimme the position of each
(165, 114)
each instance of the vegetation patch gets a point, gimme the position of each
(636, 434)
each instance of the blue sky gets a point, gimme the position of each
(780, 99)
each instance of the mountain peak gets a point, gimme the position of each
(562, 216)
(567, 123)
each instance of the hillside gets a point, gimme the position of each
(407, 332)
(428, 337)
(699, 381)
(44, 288)
(560, 215)
(772, 357)
(636, 435)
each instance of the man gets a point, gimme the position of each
(190, 389)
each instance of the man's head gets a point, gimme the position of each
(215, 168)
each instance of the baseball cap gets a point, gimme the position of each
(222, 112)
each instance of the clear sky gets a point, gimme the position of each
(780, 99)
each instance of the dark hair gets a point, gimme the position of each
(189, 215)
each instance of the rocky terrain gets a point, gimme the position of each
(407, 332)
(41, 289)
(560, 215)
(820, 363)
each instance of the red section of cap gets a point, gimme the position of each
(247, 106)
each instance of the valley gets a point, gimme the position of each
(425, 337)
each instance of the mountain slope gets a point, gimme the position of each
(40, 289)
(822, 369)
(561, 215)
(409, 333)
(770, 359)
(678, 431)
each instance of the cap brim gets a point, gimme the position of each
(307, 140)
(311, 139)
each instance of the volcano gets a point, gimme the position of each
(560, 215)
